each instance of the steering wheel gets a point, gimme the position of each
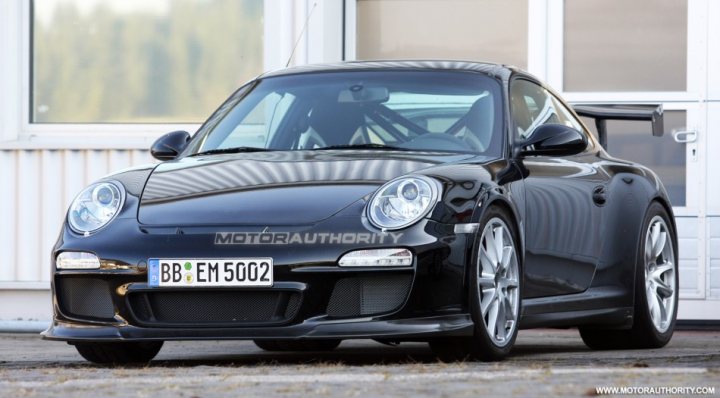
(471, 140)
(311, 140)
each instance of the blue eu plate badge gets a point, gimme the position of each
(154, 272)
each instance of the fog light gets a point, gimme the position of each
(77, 260)
(377, 258)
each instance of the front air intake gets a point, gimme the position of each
(368, 295)
(80, 297)
(216, 308)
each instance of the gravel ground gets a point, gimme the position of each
(544, 363)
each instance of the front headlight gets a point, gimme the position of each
(402, 202)
(96, 206)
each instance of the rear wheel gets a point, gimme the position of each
(297, 345)
(494, 295)
(119, 353)
(656, 285)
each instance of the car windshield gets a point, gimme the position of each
(377, 110)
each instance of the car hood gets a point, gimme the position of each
(272, 188)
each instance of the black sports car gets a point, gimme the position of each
(445, 202)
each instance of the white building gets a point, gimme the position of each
(87, 85)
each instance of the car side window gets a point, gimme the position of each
(532, 106)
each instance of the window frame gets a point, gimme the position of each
(350, 33)
(17, 132)
(74, 135)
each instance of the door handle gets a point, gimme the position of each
(685, 136)
(599, 195)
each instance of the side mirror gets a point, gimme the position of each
(170, 145)
(554, 140)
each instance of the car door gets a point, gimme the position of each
(564, 198)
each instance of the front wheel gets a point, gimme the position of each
(119, 353)
(495, 285)
(656, 286)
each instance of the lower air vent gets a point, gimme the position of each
(85, 298)
(214, 308)
(368, 295)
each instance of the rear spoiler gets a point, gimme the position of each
(603, 112)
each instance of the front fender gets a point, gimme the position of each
(469, 191)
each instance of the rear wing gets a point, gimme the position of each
(604, 112)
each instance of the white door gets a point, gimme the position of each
(646, 52)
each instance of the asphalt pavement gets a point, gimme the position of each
(544, 363)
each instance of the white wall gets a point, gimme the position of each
(36, 188)
(43, 167)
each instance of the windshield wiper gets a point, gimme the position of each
(237, 149)
(364, 146)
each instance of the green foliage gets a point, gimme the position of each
(101, 65)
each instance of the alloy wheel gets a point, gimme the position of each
(498, 282)
(660, 286)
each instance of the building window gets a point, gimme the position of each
(139, 61)
(618, 45)
(476, 30)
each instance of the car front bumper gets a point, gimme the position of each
(312, 296)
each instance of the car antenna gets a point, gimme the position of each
(302, 33)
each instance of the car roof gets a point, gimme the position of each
(501, 71)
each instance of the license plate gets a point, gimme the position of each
(245, 272)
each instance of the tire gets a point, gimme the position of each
(656, 302)
(119, 353)
(494, 294)
(297, 345)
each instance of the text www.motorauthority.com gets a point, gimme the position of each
(646, 390)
